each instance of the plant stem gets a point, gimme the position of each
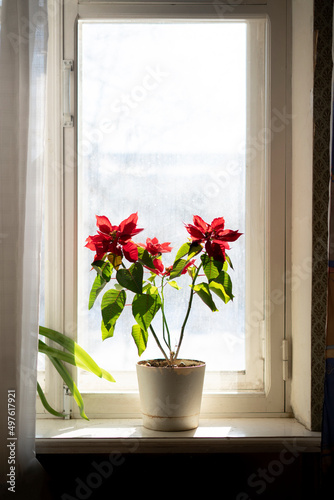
(188, 311)
(164, 321)
(158, 343)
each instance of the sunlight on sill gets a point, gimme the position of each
(212, 435)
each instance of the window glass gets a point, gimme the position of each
(162, 131)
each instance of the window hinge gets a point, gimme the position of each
(67, 116)
(66, 402)
(285, 359)
(262, 325)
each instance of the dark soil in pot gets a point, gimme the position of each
(180, 363)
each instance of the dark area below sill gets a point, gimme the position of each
(232, 476)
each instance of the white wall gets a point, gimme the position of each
(301, 218)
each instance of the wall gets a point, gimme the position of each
(311, 108)
(301, 208)
(323, 20)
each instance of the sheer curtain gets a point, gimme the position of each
(23, 49)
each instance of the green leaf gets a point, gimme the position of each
(152, 290)
(71, 346)
(75, 360)
(46, 404)
(202, 290)
(140, 337)
(222, 286)
(144, 308)
(56, 353)
(195, 249)
(177, 268)
(107, 331)
(225, 279)
(145, 258)
(229, 260)
(65, 375)
(106, 375)
(76, 355)
(183, 250)
(174, 285)
(112, 305)
(211, 267)
(189, 249)
(131, 278)
(98, 285)
(103, 269)
(146, 287)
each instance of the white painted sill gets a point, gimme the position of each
(232, 435)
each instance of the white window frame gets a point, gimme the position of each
(61, 195)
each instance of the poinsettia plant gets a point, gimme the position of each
(138, 268)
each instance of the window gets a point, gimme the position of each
(178, 110)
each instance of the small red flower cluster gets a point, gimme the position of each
(155, 249)
(115, 239)
(214, 235)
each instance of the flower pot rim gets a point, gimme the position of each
(188, 363)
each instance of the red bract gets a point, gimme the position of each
(115, 239)
(158, 266)
(214, 235)
(104, 225)
(128, 228)
(154, 247)
(101, 244)
(190, 263)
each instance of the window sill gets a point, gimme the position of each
(233, 435)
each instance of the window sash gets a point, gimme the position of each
(271, 399)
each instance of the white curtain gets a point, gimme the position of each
(23, 49)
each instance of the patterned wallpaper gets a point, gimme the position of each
(323, 14)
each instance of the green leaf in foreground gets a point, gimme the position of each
(75, 360)
(103, 269)
(222, 287)
(71, 385)
(195, 248)
(229, 261)
(72, 347)
(98, 285)
(183, 250)
(140, 337)
(189, 249)
(177, 268)
(144, 308)
(145, 258)
(202, 290)
(174, 284)
(46, 404)
(131, 278)
(112, 305)
(107, 332)
(211, 267)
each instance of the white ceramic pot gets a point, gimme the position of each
(170, 397)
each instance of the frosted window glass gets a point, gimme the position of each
(162, 132)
